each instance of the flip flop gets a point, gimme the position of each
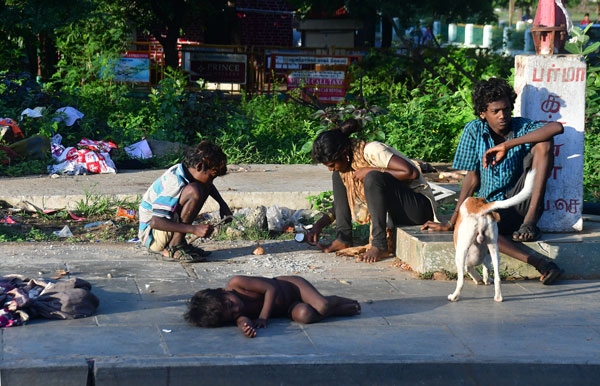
(181, 253)
(197, 251)
(527, 229)
(550, 273)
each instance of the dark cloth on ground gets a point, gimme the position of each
(22, 298)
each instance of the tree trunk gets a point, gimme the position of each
(48, 55)
(386, 33)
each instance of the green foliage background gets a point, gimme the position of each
(420, 112)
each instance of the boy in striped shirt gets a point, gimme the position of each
(174, 200)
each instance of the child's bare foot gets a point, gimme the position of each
(336, 245)
(373, 255)
(343, 306)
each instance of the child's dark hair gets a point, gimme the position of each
(206, 156)
(333, 145)
(205, 309)
(489, 91)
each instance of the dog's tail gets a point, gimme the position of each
(523, 195)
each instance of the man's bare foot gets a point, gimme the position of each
(335, 246)
(373, 255)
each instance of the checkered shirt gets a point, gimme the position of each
(497, 180)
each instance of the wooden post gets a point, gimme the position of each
(511, 12)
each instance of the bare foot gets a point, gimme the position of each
(373, 255)
(335, 246)
(343, 306)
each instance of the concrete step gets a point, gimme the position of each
(577, 253)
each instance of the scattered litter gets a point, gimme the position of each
(33, 113)
(344, 282)
(140, 150)
(76, 218)
(40, 273)
(133, 240)
(94, 158)
(109, 275)
(97, 224)
(49, 211)
(65, 232)
(68, 115)
(129, 213)
(259, 250)
(369, 301)
(165, 330)
(7, 220)
(27, 206)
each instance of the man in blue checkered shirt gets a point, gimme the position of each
(497, 151)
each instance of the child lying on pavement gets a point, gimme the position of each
(249, 301)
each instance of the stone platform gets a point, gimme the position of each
(577, 253)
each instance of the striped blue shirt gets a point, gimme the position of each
(497, 180)
(161, 200)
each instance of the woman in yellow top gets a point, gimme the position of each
(370, 180)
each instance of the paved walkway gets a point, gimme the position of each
(408, 333)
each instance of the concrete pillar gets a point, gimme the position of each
(487, 36)
(529, 41)
(468, 34)
(452, 29)
(521, 26)
(506, 43)
(437, 28)
(552, 88)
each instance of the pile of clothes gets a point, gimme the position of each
(23, 299)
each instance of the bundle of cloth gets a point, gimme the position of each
(22, 299)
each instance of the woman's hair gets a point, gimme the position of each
(206, 156)
(333, 145)
(489, 91)
(205, 309)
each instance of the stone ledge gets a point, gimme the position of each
(577, 253)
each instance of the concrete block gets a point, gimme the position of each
(44, 373)
(577, 253)
(80, 342)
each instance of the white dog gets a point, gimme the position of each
(476, 228)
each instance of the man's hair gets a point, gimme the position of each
(333, 145)
(206, 156)
(489, 91)
(205, 309)
(587, 14)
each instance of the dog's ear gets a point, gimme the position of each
(496, 216)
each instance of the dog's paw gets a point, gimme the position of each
(498, 298)
(453, 298)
